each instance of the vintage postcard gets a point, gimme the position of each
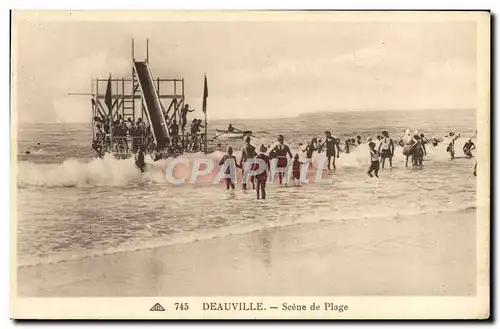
(250, 165)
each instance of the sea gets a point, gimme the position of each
(72, 205)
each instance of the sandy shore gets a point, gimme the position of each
(431, 254)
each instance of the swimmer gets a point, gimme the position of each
(296, 169)
(424, 141)
(358, 140)
(311, 147)
(332, 149)
(386, 148)
(261, 178)
(281, 152)
(468, 147)
(139, 160)
(407, 143)
(434, 141)
(451, 144)
(417, 152)
(228, 157)
(375, 164)
(347, 145)
(247, 155)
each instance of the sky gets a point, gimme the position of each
(255, 69)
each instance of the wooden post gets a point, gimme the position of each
(133, 55)
(206, 139)
(117, 107)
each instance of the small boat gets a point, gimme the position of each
(236, 134)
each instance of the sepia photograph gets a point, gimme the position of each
(250, 164)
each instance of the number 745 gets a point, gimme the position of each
(181, 306)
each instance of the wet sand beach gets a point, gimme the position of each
(428, 255)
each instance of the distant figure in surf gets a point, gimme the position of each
(434, 141)
(247, 155)
(229, 157)
(261, 178)
(282, 154)
(375, 164)
(332, 149)
(468, 147)
(139, 160)
(358, 140)
(386, 148)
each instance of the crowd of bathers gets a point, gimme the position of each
(381, 148)
(130, 136)
(127, 135)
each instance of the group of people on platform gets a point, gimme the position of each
(194, 141)
(127, 135)
(380, 149)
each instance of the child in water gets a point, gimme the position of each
(375, 164)
(261, 178)
(229, 156)
(296, 169)
(347, 144)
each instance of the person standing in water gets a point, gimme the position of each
(358, 140)
(247, 155)
(139, 160)
(386, 148)
(451, 144)
(332, 149)
(311, 147)
(468, 147)
(424, 142)
(347, 145)
(375, 164)
(296, 169)
(407, 142)
(418, 152)
(228, 157)
(282, 153)
(261, 178)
